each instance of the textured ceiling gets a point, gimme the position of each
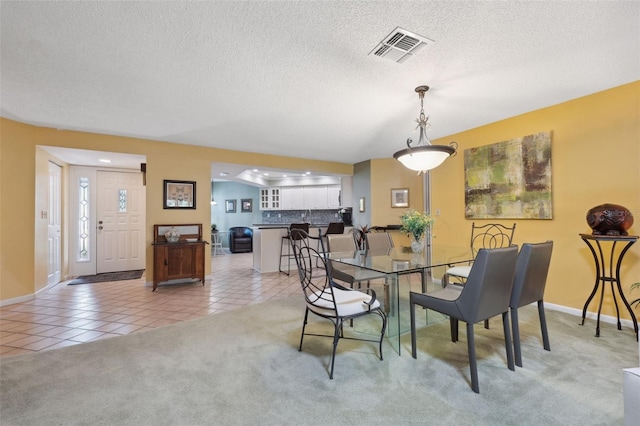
(296, 78)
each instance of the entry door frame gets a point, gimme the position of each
(88, 264)
(54, 226)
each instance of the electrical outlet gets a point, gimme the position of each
(268, 214)
(437, 212)
(279, 215)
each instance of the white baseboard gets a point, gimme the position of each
(26, 298)
(15, 300)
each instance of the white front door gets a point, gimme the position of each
(54, 244)
(120, 218)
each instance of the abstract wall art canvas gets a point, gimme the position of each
(509, 179)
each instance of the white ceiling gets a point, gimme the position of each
(295, 78)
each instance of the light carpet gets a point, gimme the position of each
(243, 367)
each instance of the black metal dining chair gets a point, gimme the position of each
(326, 298)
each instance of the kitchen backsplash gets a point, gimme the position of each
(297, 216)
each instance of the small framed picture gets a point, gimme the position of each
(361, 205)
(230, 206)
(246, 205)
(400, 197)
(179, 194)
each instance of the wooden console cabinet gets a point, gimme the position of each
(179, 260)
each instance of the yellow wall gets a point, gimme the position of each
(17, 209)
(23, 267)
(595, 160)
(387, 174)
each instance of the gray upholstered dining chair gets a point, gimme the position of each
(486, 294)
(347, 273)
(326, 298)
(487, 236)
(528, 287)
(334, 228)
(378, 241)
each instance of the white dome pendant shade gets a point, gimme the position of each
(423, 156)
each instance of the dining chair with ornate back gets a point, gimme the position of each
(288, 240)
(486, 294)
(488, 236)
(326, 298)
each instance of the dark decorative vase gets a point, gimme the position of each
(609, 219)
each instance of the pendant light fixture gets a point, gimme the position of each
(424, 156)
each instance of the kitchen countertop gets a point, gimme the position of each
(286, 225)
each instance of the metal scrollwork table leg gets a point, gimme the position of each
(608, 275)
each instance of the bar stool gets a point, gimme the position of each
(287, 240)
(333, 228)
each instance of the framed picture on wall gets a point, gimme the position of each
(400, 197)
(246, 205)
(361, 205)
(179, 194)
(230, 206)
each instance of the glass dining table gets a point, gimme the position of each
(398, 265)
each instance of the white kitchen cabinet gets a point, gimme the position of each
(333, 196)
(315, 197)
(292, 198)
(270, 198)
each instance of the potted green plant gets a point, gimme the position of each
(415, 224)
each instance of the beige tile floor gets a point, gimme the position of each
(72, 314)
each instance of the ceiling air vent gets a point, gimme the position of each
(400, 45)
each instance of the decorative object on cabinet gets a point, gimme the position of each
(609, 219)
(361, 204)
(230, 206)
(424, 156)
(400, 197)
(172, 235)
(246, 205)
(509, 179)
(178, 260)
(179, 194)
